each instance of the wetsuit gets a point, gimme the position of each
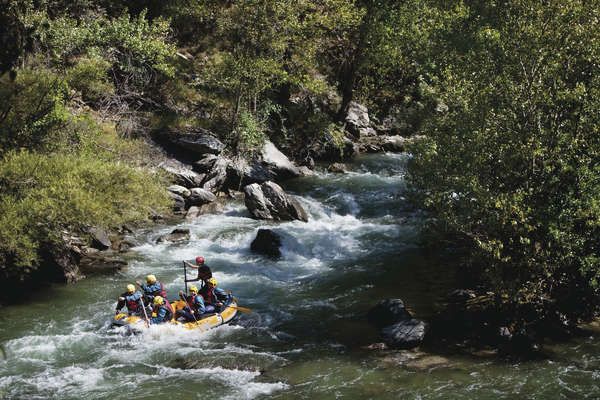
(164, 313)
(132, 301)
(196, 303)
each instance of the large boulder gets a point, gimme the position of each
(99, 239)
(199, 196)
(358, 123)
(181, 174)
(195, 140)
(267, 242)
(269, 201)
(387, 312)
(332, 149)
(405, 334)
(277, 164)
(176, 236)
(338, 168)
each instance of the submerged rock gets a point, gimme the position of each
(177, 235)
(269, 201)
(99, 263)
(405, 334)
(267, 242)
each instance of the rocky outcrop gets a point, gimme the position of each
(99, 239)
(179, 190)
(101, 263)
(194, 140)
(269, 201)
(199, 196)
(358, 122)
(176, 236)
(181, 174)
(267, 242)
(378, 144)
(205, 164)
(399, 329)
(216, 178)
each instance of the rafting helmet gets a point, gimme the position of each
(130, 288)
(158, 300)
(199, 260)
(212, 281)
(193, 289)
(151, 279)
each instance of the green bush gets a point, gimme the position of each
(33, 110)
(44, 195)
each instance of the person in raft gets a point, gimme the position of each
(213, 296)
(204, 272)
(162, 310)
(132, 299)
(195, 306)
(152, 288)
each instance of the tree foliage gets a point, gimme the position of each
(510, 167)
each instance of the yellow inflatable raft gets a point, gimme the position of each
(205, 322)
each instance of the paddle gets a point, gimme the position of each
(185, 276)
(244, 310)
(185, 301)
(145, 314)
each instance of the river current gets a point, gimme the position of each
(307, 336)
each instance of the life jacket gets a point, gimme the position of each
(167, 306)
(208, 295)
(190, 301)
(161, 292)
(133, 305)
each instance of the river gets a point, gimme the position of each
(307, 335)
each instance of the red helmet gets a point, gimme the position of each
(199, 260)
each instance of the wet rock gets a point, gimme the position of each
(179, 190)
(388, 312)
(99, 239)
(177, 235)
(428, 362)
(267, 242)
(338, 168)
(192, 214)
(405, 334)
(269, 201)
(181, 174)
(61, 261)
(205, 164)
(376, 346)
(101, 263)
(329, 149)
(199, 196)
(127, 244)
(306, 171)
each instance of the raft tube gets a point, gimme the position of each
(204, 322)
